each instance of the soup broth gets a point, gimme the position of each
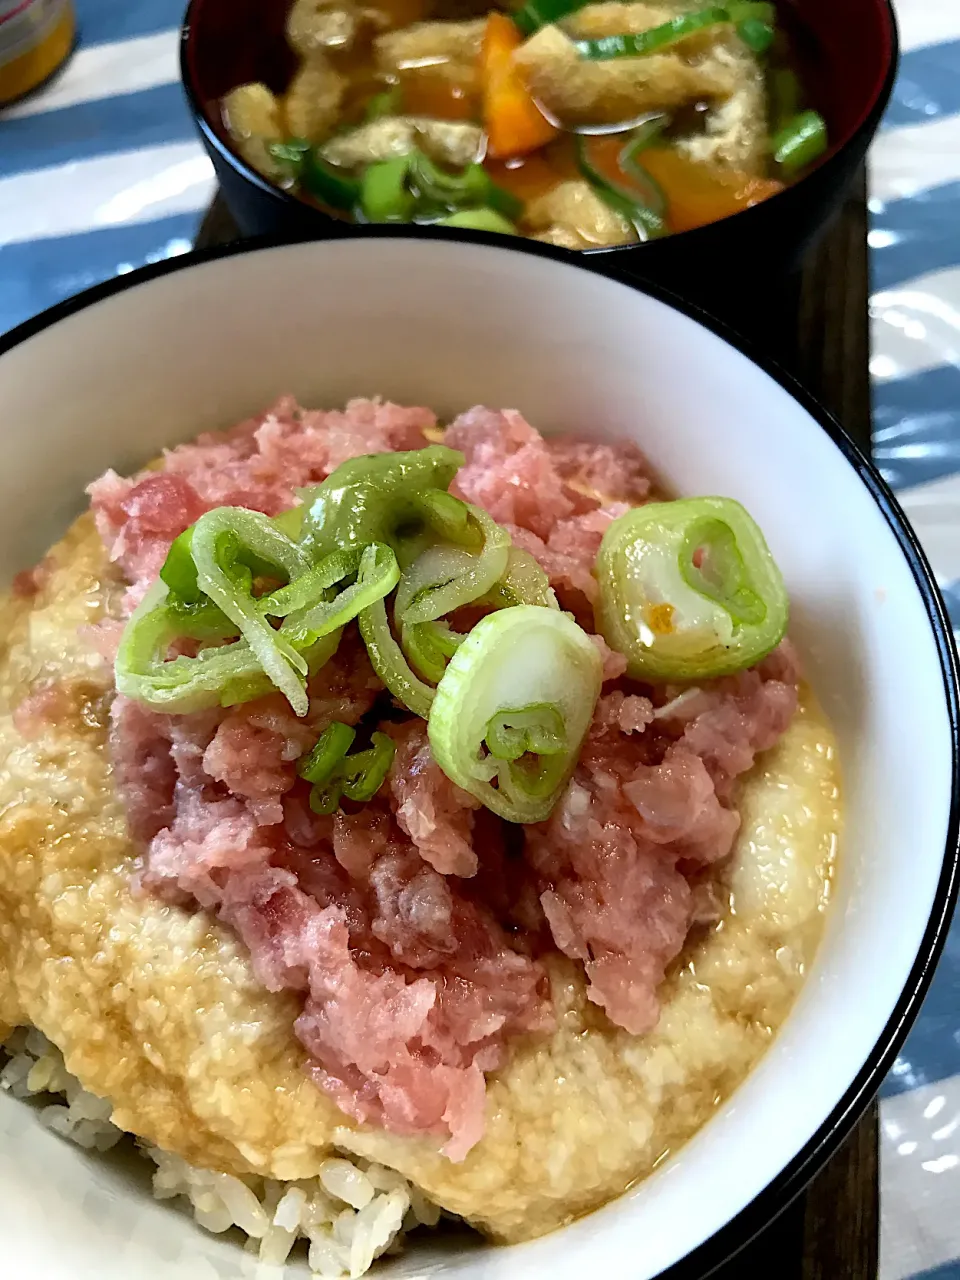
(582, 125)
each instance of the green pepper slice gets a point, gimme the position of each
(376, 498)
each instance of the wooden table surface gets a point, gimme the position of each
(814, 325)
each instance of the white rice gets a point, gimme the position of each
(350, 1214)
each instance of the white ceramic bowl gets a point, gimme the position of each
(158, 356)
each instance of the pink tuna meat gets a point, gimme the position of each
(412, 927)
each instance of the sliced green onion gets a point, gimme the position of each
(633, 192)
(315, 656)
(223, 675)
(364, 773)
(290, 522)
(320, 764)
(201, 621)
(327, 183)
(429, 646)
(241, 563)
(689, 590)
(229, 544)
(383, 104)
(537, 728)
(412, 186)
(711, 563)
(784, 88)
(443, 579)
(650, 224)
(143, 672)
(384, 193)
(641, 43)
(753, 11)
(376, 499)
(228, 676)
(525, 669)
(522, 582)
(334, 773)
(325, 797)
(179, 572)
(449, 516)
(640, 137)
(387, 660)
(544, 13)
(378, 574)
(469, 186)
(215, 563)
(304, 164)
(756, 35)
(801, 141)
(504, 202)
(479, 220)
(311, 588)
(472, 187)
(644, 192)
(291, 155)
(425, 586)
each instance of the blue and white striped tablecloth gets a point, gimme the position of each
(101, 172)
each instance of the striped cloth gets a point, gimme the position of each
(101, 172)
(915, 321)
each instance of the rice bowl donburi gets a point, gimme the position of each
(581, 125)
(400, 819)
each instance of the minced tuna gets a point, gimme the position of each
(415, 927)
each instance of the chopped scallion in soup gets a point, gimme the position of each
(583, 125)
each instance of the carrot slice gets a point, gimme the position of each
(699, 193)
(514, 123)
(604, 155)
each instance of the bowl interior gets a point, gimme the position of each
(846, 51)
(854, 46)
(203, 346)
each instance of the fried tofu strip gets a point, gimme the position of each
(573, 216)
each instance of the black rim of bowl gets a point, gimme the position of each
(866, 125)
(791, 1180)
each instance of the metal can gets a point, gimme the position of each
(35, 38)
